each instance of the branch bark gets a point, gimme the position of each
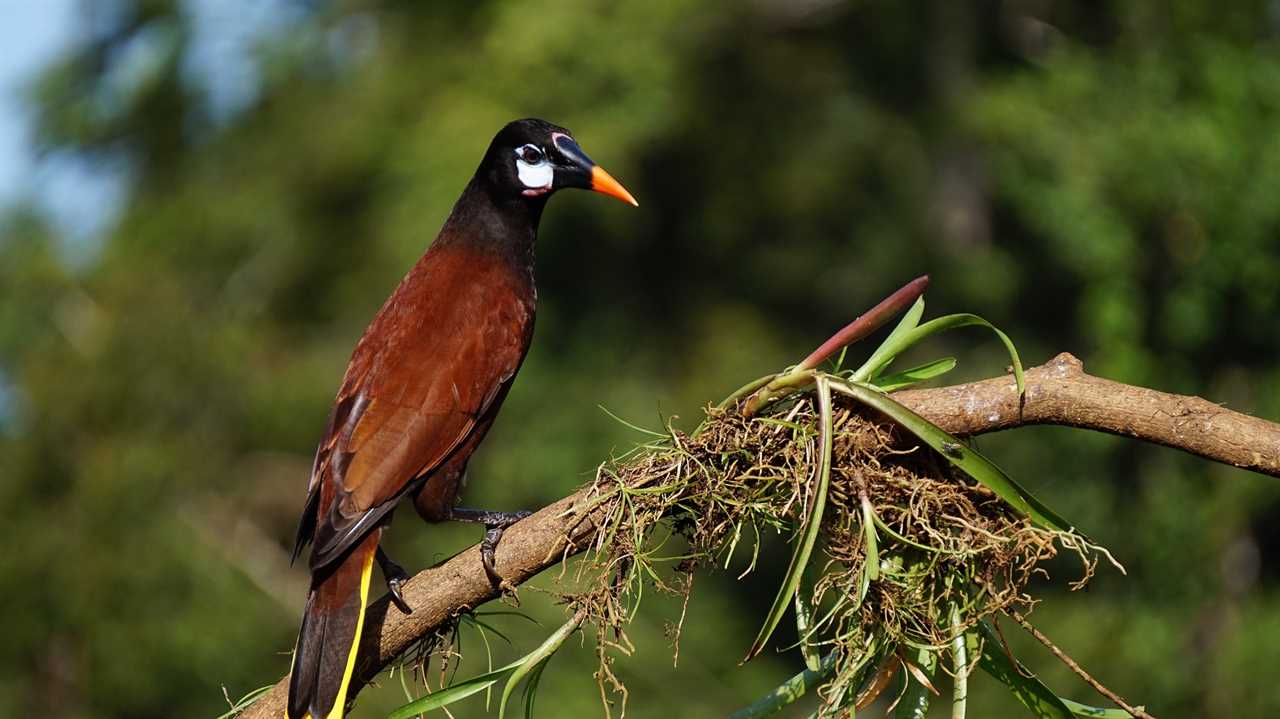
(1058, 392)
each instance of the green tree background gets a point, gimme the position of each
(1097, 177)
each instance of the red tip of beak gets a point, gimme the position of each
(604, 183)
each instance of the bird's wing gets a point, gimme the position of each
(429, 366)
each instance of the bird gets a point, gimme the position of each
(420, 392)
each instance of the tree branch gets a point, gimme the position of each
(1058, 392)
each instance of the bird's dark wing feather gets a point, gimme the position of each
(454, 332)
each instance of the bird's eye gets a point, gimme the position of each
(530, 154)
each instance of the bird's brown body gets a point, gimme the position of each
(419, 394)
(424, 382)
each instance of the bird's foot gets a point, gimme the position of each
(396, 577)
(495, 524)
(508, 593)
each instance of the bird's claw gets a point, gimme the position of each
(488, 546)
(396, 577)
(494, 523)
(508, 591)
(397, 598)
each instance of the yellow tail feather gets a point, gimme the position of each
(341, 702)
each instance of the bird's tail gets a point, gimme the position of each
(326, 653)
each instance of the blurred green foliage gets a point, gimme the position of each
(1094, 177)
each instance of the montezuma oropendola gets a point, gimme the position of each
(420, 392)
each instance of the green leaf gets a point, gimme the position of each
(482, 627)
(245, 701)
(518, 669)
(1025, 686)
(745, 390)
(909, 321)
(531, 689)
(534, 660)
(804, 626)
(788, 692)
(915, 375)
(453, 693)
(809, 536)
(966, 458)
(872, 564)
(1084, 710)
(629, 425)
(962, 661)
(914, 702)
(885, 353)
(897, 343)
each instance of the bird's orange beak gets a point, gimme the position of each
(604, 183)
(578, 170)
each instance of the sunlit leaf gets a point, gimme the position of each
(534, 660)
(453, 693)
(518, 669)
(897, 343)
(885, 353)
(915, 375)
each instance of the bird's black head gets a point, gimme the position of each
(532, 158)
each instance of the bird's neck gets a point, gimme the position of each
(483, 221)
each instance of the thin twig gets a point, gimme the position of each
(1139, 712)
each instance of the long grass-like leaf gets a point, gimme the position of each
(462, 690)
(1029, 690)
(453, 693)
(629, 425)
(745, 390)
(535, 659)
(885, 353)
(899, 343)
(1084, 710)
(488, 652)
(531, 688)
(804, 627)
(966, 458)
(962, 661)
(872, 564)
(915, 375)
(788, 692)
(485, 626)
(244, 701)
(809, 535)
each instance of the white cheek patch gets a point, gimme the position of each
(535, 177)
